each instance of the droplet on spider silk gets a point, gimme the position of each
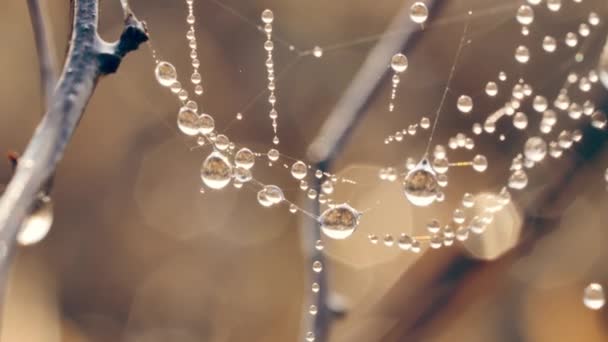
(244, 158)
(317, 51)
(299, 170)
(491, 89)
(267, 16)
(535, 149)
(525, 15)
(216, 171)
(263, 199)
(480, 163)
(465, 104)
(274, 194)
(593, 296)
(165, 73)
(206, 124)
(549, 44)
(419, 12)
(340, 221)
(518, 180)
(317, 266)
(37, 225)
(310, 336)
(188, 121)
(420, 185)
(522, 54)
(273, 155)
(520, 120)
(399, 63)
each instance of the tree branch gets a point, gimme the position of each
(89, 57)
(46, 53)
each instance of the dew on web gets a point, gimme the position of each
(399, 64)
(426, 177)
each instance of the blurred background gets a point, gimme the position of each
(137, 253)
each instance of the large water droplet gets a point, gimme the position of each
(299, 170)
(188, 121)
(420, 185)
(525, 15)
(340, 221)
(419, 12)
(244, 158)
(165, 73)
(37, 225)
(216, 171)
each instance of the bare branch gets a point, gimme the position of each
(88, 58)
(46, 53)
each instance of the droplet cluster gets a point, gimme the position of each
(531, 114)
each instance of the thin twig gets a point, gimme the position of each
(89, 57)
(351, 107)
(46, 52)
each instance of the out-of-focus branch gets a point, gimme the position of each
(349, 110)
(46, 53)
(88, 58)
(310, 232)
(335, 132)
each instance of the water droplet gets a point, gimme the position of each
(274, 194)
(244, 158)
(166, 74)
(518, 180)
(273, 155)
(522, 54)
(535, 149)
(317, 266)
(480, 163)
(399, 63)
(188, 121)
(37, 225)
(317, 51)
(491, 89)
(267, 16)
(598, 120)
(520, 120)
(310, 336)
(299, 170)
(465, 104)
(593, 296)
(419, 12)
(549, 44)
(313, 310)
(216, 171)
(340, 221)
(525, 15)
(404, 242)
(420, 185)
